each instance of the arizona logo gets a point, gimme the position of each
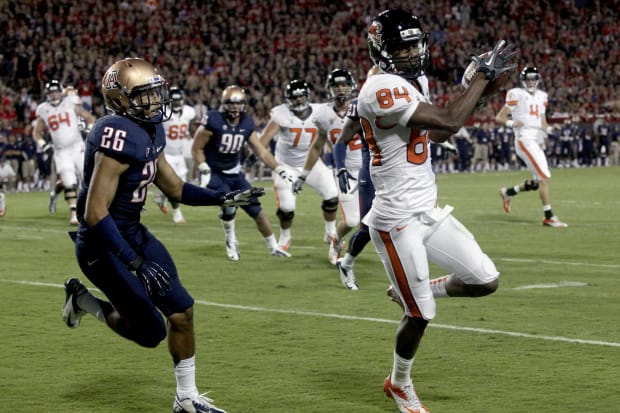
(375, 32)
(111, 80)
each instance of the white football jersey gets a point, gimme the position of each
(328, 120)
(177, 130)
(529, 109)
(295, 136)
(62, 121)
(400, 162)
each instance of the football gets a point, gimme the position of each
(493, 87)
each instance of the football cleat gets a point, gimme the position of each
(232, 250)
(199, 404)
(394, 297)
(505, 200)
(347, 278)
(554, 222)
(278, 252)
(405, 397)
(177, 216)
(335, 248)
(160, 200)
(71, 312)
(52, 205)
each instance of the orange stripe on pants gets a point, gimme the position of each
(399, 274)
(531, 158)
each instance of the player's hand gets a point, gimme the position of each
(298, 184)
(343, 180)
(284, 174)
(204, 174)
(497, 61)
(242, 198)
(154, 277)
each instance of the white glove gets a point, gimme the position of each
(204, 174)
(284, 174)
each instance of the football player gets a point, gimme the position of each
(407, 227)
(218, 151)
(330, 118)
(124, 154)
(177, 131)
(292, 125)
(61, 115)
(345, 166)
(525, 112)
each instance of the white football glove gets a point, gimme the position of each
(204, 174)
(284, 174)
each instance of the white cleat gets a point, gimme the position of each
(278, 252)
(198, 404)
(232, 250)
(177, 216)
(71, 312)
(406, 399)
(335, 248)
(554, 222)
(347, 277)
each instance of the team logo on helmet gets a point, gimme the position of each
(375, 32)
(112, 80)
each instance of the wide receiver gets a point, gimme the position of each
(407, 227)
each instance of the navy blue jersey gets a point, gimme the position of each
(224, 151)
(129, 143)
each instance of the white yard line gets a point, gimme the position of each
(371, 319)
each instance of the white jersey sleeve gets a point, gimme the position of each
(530, 109)
(400, 164)
(295, 136)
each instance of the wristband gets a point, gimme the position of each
(197, 196)
(203, 167)
(510, 123)
(304, 173)
(107, 230)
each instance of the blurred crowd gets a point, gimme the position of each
(204, 46)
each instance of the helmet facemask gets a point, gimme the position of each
(530, 82)
(297, 96)
(150, 103)
(176, 95)
(233, 102)
(54, 92)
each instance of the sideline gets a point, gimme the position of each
(371, 319)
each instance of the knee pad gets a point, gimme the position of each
(530, 185)
(228, 213)
(285, 215)
(330, 205)
(71, 193)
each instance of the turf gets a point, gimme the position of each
(281, 336)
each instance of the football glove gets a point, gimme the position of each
(154, 277)
(284, 174)
(242, 198)
(343, 180)
(497, 61)
(298, 184)
(204, 174)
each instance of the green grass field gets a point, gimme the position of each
(283, 336)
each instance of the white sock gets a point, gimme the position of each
(330, 228)
(229, 230)
(401, 371)
(271, 242)
(347, 261)
(185, 372)
(438, 286)
(91, 305)
(285, 233)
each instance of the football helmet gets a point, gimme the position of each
(178, 99)
(529, 78)
(134, 88)
(297, 95)
(53, 92)
(397, 44)
(233, 101)
(340, 85)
